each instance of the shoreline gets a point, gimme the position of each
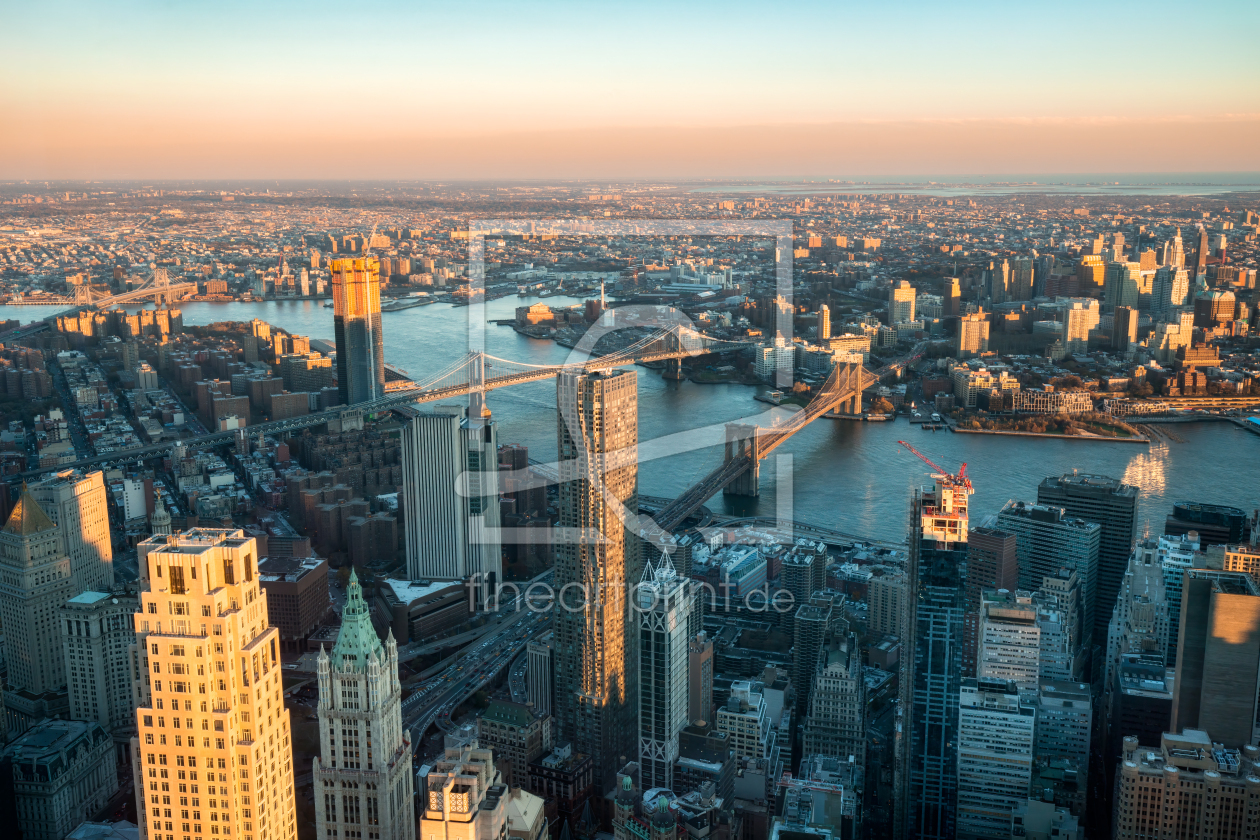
(1139, 439)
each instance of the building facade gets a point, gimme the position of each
(60, 772)
(98, 633)
(79, 505)
(213, 753)
(451, 496)
(666, 618)
(835, 725)
(594, 652)
(356, 294)
(995, 756)
(465, 798)
(362, 774)
(517, 736)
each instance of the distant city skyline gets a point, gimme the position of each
(560, 90)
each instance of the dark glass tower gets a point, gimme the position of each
(356, 291)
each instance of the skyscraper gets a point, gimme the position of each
(539, 675)
(1120, 286)
(901, 302)
(1169, 290)
(1113, 505)
(77, 503)
(467, 798)
(700, 677)
(992, 564)
(973, 335)
(35, 581)
(1123, 329)
(98, 634)
(1201, 251)
(835, 725)
(210, 710)
(824, 322)
(356, 294)
(451, 496)
(1049, 541)
(362, 774)
(1176, 251)
(666, 619)
(1010, 640)
(931, 665)
(996, 727)
(597, 441)
(1022, 277)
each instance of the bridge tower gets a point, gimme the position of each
(477, 407)
(741, 441)
(850, 401)
(83, 294)
(673, 367)
(161, 285)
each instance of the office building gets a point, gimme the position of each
(35, 581)
(1010, 640)
(992, 564)
(1123, 329)
(700, 677)
(1215, 524)
(1218, 657)
(745, 717)
(824, 322)
(362, 775)
(598, 470)
(297, 596)
(901, 302)
(210, 708)
(1170, 289)
(995, 756)
(1022, 279)
(98, 634)
(1202, 250)
(803, 570)
(704, 757)
(58, 774)
(835, 725)
(1064, 723)
(926, 768)
(517, 735)
(810, 626)
(79, 506)
(539, 675)
(1188, 786)
(1176, 251)
(1120, 285)
(465, 799)
(1050, 540)
(886, 603)
(667, 619)
(356, 294)
(1113, 505)
(451, 496)
(973, 335)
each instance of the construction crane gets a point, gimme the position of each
(960, 478)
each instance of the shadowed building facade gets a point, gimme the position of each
(356, 294)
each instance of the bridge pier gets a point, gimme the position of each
(741, 442)
(673, 369)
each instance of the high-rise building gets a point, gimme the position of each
(992, 564)
(1022, 279)
(1169, 290)
(362, 774)
(517, 735)
(1176, 251)
(952, 306)
(810, 626)
(704, 756)
(1188, 786)
(78, 504)
(1218, 657)
(901, 302)
(35, 581)
(1123, 329)
(538, 675)
(594, 655)
(1202, 250)
(835, 725)
(886, 603)
(1215, 524)
(465, 799)
(1077, 322)
(98, 634)
(451, 496)
(356, 294)
(210, 708)
(1048, 541)
(973, 335)
(1064, 721)
(824, 322)
(995, 756)
(667, 619)
(699, 677)
(926, 769)
(1010, 640)
(803, 570)
(1113, 505)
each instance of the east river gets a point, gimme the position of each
(844, 475)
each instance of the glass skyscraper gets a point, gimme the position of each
(356, 292)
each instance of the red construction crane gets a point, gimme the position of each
(960, 478)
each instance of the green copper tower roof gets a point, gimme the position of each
(358, 637)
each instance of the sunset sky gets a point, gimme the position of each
(535, 90)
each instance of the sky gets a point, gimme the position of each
(190, 89)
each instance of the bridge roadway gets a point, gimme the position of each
(393, 400)
(173, 290)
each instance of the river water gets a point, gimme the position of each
(844, 475)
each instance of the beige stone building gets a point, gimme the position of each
(213, 756)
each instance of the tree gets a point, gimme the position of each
(881, 406)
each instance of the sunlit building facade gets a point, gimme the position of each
(356, 294)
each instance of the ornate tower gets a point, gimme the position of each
(363, 772)
(160, 521)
